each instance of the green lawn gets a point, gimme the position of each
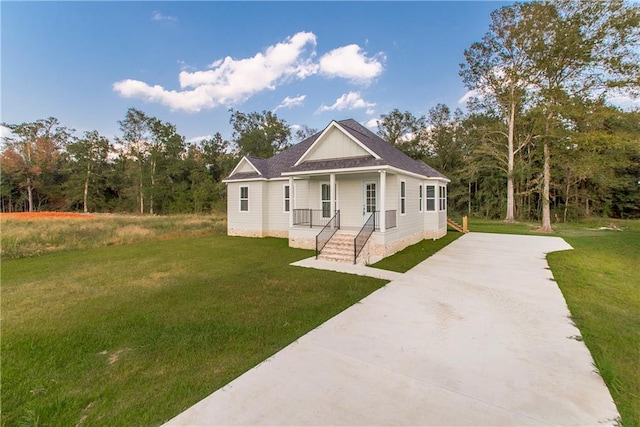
(414, 254)
(602, 287)
(134, 334)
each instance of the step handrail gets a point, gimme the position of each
(327, 232)
(460, 228)
(363, 236)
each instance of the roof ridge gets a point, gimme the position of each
(356, 130)
(388, 154)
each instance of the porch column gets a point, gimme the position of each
(332, 193)
(383, 197)
(292, 203)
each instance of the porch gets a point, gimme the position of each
(318, 218)
(333, 242)
(373, 214)
(316, 197)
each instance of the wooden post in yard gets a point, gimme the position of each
(464, 224)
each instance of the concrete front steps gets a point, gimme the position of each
(339, 248)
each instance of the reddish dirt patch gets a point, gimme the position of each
(46, 215)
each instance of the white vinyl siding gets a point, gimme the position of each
(336, 145)
(244, 166)
(411, 221)
(275, 219)
(431, 197)
(244, 199)
(252, 221)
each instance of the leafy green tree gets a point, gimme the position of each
(576, 50)
(136, 141)
(624, 195)
(305, 132)
(165, 152)
(440, 141)
(202, 186)
(403, 130)
(12, 198)
(32, 153)
(497, 70)
(216, 155)
(601, 143)
(442, 147)
(259, 134)
(89, 153)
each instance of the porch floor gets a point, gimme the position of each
(348, 229)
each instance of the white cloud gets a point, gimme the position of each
(5, 132)
(406, 137)
(372, 124)
(624, 101)
(157, 16)
(294, 128)
(351, 63)
(348, 101)
(470, 94)
(228, 81)
(197, 139)
(231, 81)
(289, 102)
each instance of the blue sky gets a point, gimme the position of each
(189, 62)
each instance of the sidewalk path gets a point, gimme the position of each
(358, 269)
(478, 334)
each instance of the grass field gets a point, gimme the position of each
(134, 334)
(600, 282)
(37, 233)
(121, 320)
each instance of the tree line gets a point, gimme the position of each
(538, 140)
(149, 168)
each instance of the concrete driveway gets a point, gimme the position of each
(478, 334)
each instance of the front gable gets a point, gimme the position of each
(244, 166)
(335, 143)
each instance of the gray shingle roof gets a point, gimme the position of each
(389, 155)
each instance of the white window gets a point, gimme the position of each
(420, 198)
(326, 201)
(443, 198)
(431, 198)
(403, 197)
(244, 199)
(287, 198)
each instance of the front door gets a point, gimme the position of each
(370, 199)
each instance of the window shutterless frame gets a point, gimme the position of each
(286, 198)
(403, 197)
(325, 200)
(431, 197)
(244, 199)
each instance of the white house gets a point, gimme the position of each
(344, 191)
